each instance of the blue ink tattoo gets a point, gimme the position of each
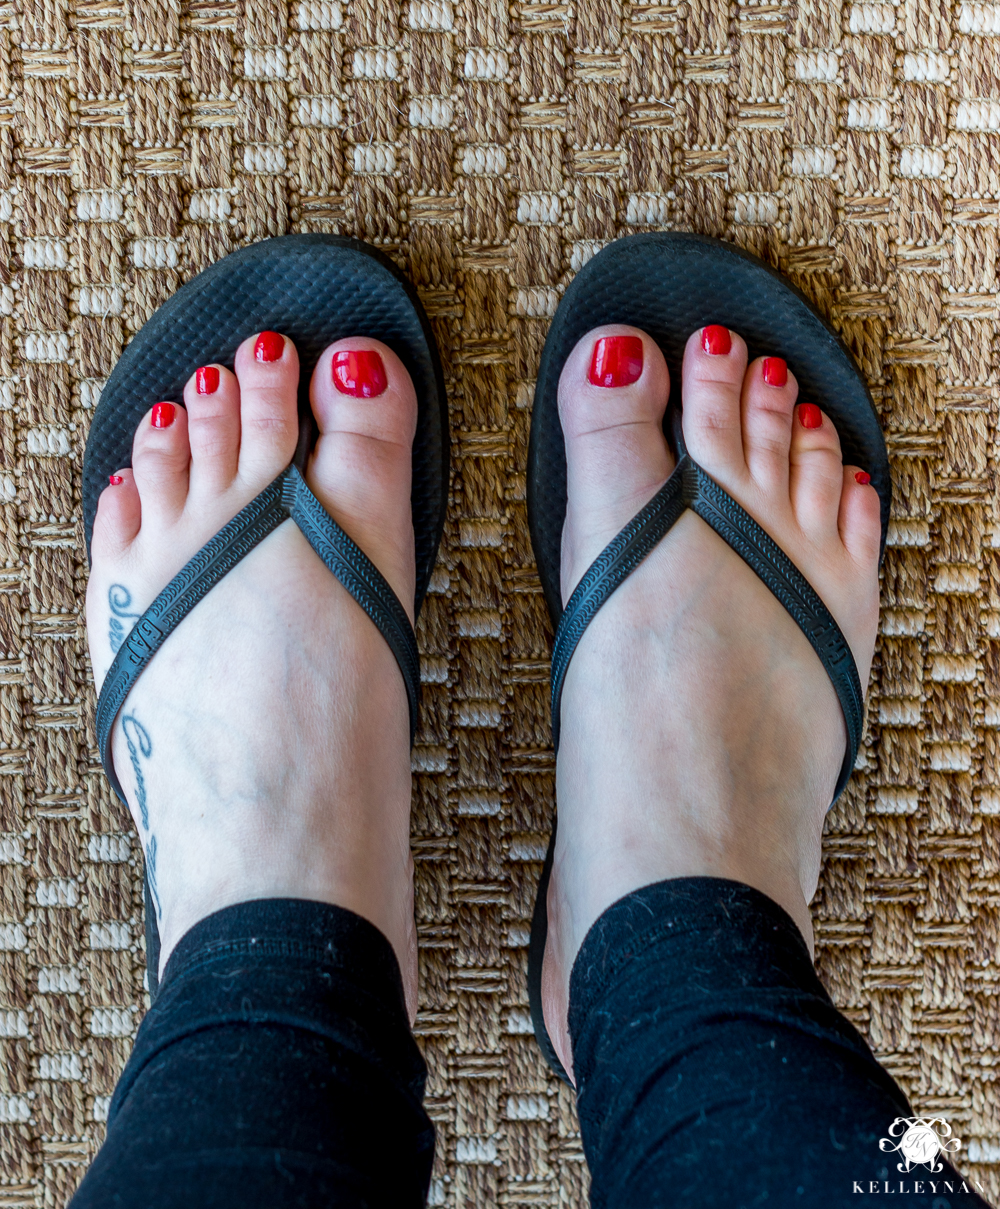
(139, 742)
(140, 747)
(119, 600)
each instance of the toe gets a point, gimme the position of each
(816, 472)
(715, 362)
(267, 367)
(612, 395)
(769, 393)
(161, 457)
(119, 514)
(212, 399)
(360, 470)
(860, 516)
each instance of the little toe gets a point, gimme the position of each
(769, 393)
(212, 399)
(860, 516)
(119, 515)
(613, 392)
(816, 472)
(161, 457)
(715, 363)
(361, 469)
(267, 367)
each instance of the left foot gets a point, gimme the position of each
(265, 749)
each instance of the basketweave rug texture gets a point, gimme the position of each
(490, 148)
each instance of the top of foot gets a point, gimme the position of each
(700, 734)
(265, 749)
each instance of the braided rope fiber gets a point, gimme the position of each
(490, 147)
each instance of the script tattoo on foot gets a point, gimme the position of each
(140, 748)
(119, 601)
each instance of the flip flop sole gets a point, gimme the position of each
(314, 289)
(670, 284)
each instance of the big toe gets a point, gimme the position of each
(366, 410)
(612, 396)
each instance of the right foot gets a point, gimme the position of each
(700, 734)
(265, 749)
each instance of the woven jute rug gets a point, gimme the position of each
(490, 149)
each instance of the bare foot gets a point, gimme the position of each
(700, 735)
(265, 749)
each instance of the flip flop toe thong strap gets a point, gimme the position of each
(691, 487)
(287, 497)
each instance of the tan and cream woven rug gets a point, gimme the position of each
(490, 147)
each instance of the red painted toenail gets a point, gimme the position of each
(775, 373)
(617, 361)
(163, 415)
(863, 477)
(206, 380)
(810, 416)
(115, 480)
(715, 339)
(269, 346)
(359, 372)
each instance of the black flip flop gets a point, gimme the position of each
(314, 289)
(670, 285)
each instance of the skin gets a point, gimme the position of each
(273, 756)
(700, 733)
(265, 750)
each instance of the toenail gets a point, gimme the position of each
(863, 477)
(617, 361)
(269, 346)
(715, 339)
(359, 372)
(115, 480)
(810, 416)
(206, 380)
(163, 415)
(775, 373)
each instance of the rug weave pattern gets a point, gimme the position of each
(490, 149)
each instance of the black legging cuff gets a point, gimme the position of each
(713, 1069)
(276, 1068)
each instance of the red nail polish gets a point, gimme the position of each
(163, 415)
(359, 372)
(206, 380)
(115, 480)
(269, 346)
(617, 361)
(715, 339)
(810, 415)
(863, 477)
(775, 373)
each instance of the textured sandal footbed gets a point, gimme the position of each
(670, 284)
(314, 289)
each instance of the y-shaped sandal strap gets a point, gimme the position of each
(691, 487)
(287, 497)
